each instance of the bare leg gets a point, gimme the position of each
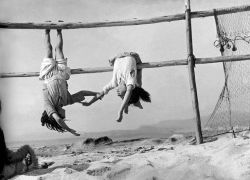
(48, 46)
(59, 46)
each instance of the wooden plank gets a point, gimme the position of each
(159, 64)
(222, 59)
(77, 25)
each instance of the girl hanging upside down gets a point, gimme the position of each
(128, 80)
(54, 73)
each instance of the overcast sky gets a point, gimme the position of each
(23, 50)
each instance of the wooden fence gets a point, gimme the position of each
(190, 61)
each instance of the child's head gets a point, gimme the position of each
(137, 94)
(50, 122)
(121, 90)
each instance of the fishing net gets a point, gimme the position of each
(232, 110)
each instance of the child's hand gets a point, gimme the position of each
(99, 95)
(120, 116)
(72, 131)
(62, 123)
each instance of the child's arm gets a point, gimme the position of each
(80, 96)
(124, 102)
(61, 122)
(89, 93)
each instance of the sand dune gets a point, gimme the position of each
(225, 158)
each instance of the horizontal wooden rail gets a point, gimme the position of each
(142, 66)
(169, 18)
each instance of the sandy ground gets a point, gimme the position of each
(175, 158)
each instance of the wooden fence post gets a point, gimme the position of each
(191, 64)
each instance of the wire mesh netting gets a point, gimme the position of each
(233, 107)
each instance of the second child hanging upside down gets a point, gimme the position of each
(128, 80)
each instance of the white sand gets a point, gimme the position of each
(223, 159)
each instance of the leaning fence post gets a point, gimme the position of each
(191, 63)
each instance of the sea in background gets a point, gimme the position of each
(162, 129)
(117, 136)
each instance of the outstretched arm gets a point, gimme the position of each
(125, 101)
(61, 122)
(89, 93)
(80, 96)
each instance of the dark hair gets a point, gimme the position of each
(137, 94)
(51, 123)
